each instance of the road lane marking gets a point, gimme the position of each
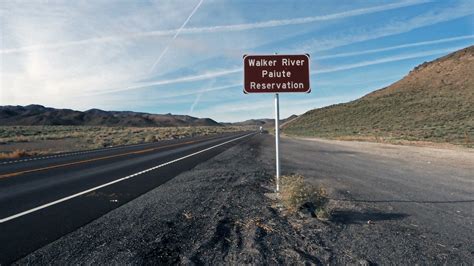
(6, 219)
(88, 160)
(98, 159)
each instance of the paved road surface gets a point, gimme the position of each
(434, 188)
(43, 199)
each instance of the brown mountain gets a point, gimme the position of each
(434, 102)
(39, 115)
(265, 122)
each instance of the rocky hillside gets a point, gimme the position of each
(39, 115)
(265, 122)
(434, 102)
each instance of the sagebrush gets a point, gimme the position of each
(295, 193)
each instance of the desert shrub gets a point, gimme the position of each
(149, 137)
(16, 154)
(296, 193)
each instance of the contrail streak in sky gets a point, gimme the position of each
(198, 97)
(459, 38)
(221, 28)
(387, 60)
(175, 35)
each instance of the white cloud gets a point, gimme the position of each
(193, 92)
(198, 97)
(215, 74)
(385, 60)
(91, 72)
(392, 28)
(305, 20)
(215, 29)
(396, 47)
(203, 76)
(175, 35)
(55, 76)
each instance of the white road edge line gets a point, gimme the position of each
(6, 219)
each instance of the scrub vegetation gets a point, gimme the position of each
(16, 154)
(296, 195)
(19, 141)
(434, 103)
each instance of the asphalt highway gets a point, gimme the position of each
(44, 198)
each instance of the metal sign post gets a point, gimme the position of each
(277, 141)
(276, 74)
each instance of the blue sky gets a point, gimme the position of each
(185, 57)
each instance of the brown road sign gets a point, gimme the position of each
(276, 73)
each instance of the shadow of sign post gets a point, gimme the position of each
(277, 74)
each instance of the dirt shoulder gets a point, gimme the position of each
(447, 154)
(218, 213)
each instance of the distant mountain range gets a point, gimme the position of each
(31, 115)
(434, 102)
(265, 122)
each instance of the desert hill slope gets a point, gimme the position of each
(32, 115)
(265, 122)
(434, 102)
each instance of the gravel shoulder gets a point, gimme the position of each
(215, 213)
(218, 213)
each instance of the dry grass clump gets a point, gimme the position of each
(296, 194)
(16, 154)
(257, 222)
(188, 215)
